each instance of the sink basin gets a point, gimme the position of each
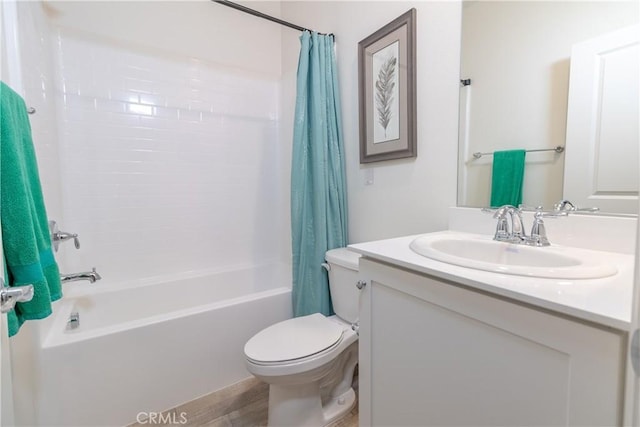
(482, 253)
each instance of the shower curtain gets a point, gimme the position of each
(318, 194)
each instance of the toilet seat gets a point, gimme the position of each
(294, 339)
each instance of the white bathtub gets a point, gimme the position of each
(147, 348)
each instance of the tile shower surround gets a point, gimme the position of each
(167, 164)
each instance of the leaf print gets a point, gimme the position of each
(384, 92)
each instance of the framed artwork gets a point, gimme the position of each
(387, 91)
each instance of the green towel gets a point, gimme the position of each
(25, 231)
(507, 177)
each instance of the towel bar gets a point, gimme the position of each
(558, 149)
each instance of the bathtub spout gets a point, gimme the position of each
(91, 276)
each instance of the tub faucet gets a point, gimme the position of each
(91, 276)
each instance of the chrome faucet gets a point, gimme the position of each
(91, 276)
(538, 231)
(504, 233)
(515, 233)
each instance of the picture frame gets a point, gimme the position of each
(387, 91)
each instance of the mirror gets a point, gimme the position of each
(516, 57)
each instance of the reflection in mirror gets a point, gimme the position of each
(517, 57)
(602, 122)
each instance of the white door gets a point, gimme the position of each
(601, 163)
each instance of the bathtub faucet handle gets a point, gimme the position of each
(58, 236)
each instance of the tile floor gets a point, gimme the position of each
(241, 405)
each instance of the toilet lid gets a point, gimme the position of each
(293, 339)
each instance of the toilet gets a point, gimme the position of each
(309, 361)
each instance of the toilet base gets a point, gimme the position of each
(301, 406)
(339, 406)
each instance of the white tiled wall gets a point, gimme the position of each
(36, 85)
(168, 164)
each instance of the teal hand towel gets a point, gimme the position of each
(25, 232)
(507, 177)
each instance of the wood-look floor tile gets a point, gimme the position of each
(244, 404)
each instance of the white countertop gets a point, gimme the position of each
(606, 301)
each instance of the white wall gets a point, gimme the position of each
(408, 196)
(188, 28)
(169, 137)
(35, 84)
(517, 55)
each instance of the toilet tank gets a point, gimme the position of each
(343, 276)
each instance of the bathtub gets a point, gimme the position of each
(149, 347)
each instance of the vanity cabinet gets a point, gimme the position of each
(434, 352)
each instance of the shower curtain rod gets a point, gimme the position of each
(263, 15)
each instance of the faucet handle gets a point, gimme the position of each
(501, 211)
(529, 208)
(58, 236)
(554, 214)
(538, 235)
(567, 206)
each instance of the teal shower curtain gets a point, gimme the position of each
(318, 193)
